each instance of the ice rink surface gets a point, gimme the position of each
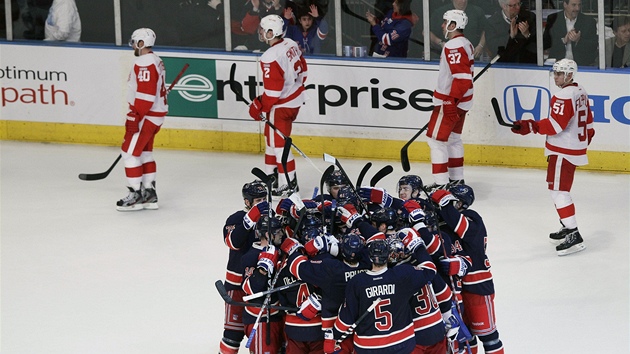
(77, 276)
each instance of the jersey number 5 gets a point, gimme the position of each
(383, 318)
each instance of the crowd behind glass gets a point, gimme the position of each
(509, 28)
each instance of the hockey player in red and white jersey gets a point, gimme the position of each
(569, 130)
(452, 98)
(284, 72)
(147, 109)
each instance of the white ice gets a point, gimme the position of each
(77, 276)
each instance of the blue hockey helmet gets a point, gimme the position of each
(336, 178)
(378, 251)
(464, 193)
(396, 249)
(346, 196)
(387, 216)
(270, 225)
(254, 190)
(351, 247)
(413, 181)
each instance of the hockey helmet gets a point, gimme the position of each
(336, 178)
(413, 181)
(346, 196)
(459, 17)
(396, 250)
(387, 216)
(351, 247)
(378, 251)
(464, 193)
(270, 226)
(254, 190)
(273, 23)
(566, 66)
(146, 35)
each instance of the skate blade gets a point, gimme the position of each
(134, 207)
(574, 249)
(150, 206)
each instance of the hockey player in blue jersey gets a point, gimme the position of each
(468, 233)
(388, 329)
(238, 236)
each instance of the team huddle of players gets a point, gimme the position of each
(361, 271)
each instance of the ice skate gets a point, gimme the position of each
(285, 190)
(149, 198)
(132, 202)
(558, 237)
(573, 243)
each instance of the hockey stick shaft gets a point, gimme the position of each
(404, 153)
(363, 173)
(382, 173)
(270, 291)
(229, 300)
(265, 304)
(234, 86)
(103, 175)
(497, 113)
(356, 323)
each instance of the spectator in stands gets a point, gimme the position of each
(245, 21)
(475, 29)
(34, 13)
(571, 34)
(617, 48)
(63, 22)
(392, 33)
(310, 31)
(511, 32)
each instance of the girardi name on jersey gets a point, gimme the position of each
(380, 290)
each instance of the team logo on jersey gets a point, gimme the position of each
(526, 102)
(194, 95)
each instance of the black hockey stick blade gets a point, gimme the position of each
(228, 300)
(99, 176)
(404, 153)
(381, 174)
(285, 157)
(362, 174)
(235, 86)
(261, 175)
(497, 113)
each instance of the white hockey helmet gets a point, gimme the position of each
(565, 66)
(458, 16)
(145, 35)
(273, 23)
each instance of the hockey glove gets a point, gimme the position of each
(267, 259)
(308, 204)
(376, 195)
(449, 109)
(132, 124)
(330, 344)
(255, 109)
(590, 133)
(455, 265)
(290, 245)
(326, 243)
(442, 197)
(284, 205)
(348, 214)
(309, 308)
(524, 127)
(417, 219)
(252, 216)
(410, 239)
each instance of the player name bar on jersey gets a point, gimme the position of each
(379, 290)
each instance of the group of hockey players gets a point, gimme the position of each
(359, 270)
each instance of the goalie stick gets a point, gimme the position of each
(404, 153)
(497, 113)
(103, 175)
(381, 174)
(239, 96)
(331, 159)
(228, 300)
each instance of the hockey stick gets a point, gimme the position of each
(239, 96)
(271, 291)
(265, 305)
(103, 175)
(331, 159)
(228, 300)
(363, 173)
(356, 323)
(325, 175)
(299, 205)
(404, 154)
(381, 174)
(497, 113)
(285, 157)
